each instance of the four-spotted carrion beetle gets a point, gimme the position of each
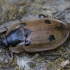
(16, 36)
(35, 35)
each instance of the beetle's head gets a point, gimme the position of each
(3, 42)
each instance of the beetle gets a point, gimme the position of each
(35, 35)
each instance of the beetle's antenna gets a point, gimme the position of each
(6, 29)
(41, 15)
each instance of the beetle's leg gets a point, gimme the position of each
(40, 15)
(6, 28)
(7, 49)
(9, 52)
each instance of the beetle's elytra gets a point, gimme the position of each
(36, 35)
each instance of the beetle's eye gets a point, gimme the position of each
(52, 38)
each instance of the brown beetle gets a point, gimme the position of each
(36, 35)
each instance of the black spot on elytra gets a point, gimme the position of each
(47, 21)
(52, 38)
(23, 24)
